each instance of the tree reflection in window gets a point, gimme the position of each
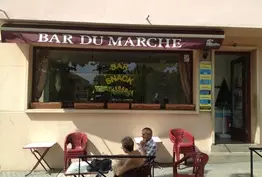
(112, 76)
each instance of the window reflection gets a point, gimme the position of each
(112, 76)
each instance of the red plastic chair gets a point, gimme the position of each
(78, 141)
(184, 143)
(199, 159)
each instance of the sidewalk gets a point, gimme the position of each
(240, 169)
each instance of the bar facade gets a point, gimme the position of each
(111, 81)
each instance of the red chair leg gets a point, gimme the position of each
(65, 163)
(69, 161)
(178, 157)
(185, 160)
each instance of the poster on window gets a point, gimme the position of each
(205, 85)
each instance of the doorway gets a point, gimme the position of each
(232, 98)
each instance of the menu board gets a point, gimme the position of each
(205, 81)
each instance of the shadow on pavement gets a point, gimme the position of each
(241, 175)
(206, 171)
(186, 172)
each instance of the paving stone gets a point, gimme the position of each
(239, 169)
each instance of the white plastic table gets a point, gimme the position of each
(34, 148)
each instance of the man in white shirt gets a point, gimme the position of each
(147, 146)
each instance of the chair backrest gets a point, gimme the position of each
(178, 135)
(76, 139)
(200, 160)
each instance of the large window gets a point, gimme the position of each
(105, 76)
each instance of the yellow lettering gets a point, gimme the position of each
(125, 67)
(119, 89)
(113, 67)
(119, 66)
(122, 78)
(116, 66)
(108, 80)
(129, 80)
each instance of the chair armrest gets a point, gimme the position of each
(84, 146)
(189, 136)
(65, 146)
(171, 137)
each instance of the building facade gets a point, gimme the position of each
(112, 68)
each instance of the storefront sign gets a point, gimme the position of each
(205, 80)
(149, 41)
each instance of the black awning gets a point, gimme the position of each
(112, 37)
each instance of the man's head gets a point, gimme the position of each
(127, 144)
(147, 133)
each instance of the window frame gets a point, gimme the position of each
(139, 106)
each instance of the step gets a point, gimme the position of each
(231, 147)
(227, 157)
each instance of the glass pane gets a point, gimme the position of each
(238, 119)
(112, 76)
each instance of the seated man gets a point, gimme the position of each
(123, 166)
(147, 146)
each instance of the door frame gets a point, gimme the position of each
(253, 61)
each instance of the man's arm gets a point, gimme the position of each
(142, 150)
(128, 165)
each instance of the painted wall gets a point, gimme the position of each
(104, 132)
(232, 13)
(17, 128)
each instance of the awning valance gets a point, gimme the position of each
(155, 40)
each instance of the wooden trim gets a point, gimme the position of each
(139, 106)
(89, 105)
(248, 99)
(236, 49)
(118, 105)
(191, 107)
(48, 105)
(110, 111)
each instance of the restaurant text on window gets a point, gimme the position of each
(111, 76)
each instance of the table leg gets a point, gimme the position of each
(251, 163)
(34, 152)
(43, 160)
